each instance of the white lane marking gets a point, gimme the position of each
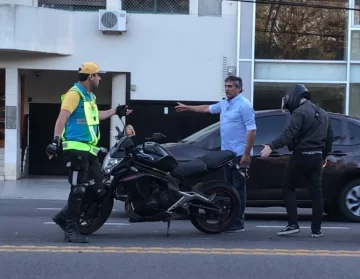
(108, 224)
(305, 227)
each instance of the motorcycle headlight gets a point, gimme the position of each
(109, 163)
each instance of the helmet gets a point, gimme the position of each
(294, 95)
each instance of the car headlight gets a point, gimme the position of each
(109, 163)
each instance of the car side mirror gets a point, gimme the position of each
(158, 137)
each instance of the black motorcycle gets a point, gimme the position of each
(152, 182)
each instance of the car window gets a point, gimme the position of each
(269, 127)
(211, 142)
(354, 133)
(337, 130)
(202, 134)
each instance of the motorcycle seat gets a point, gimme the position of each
(216, 159)
(189, 168)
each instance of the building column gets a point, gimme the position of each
(118, 96)
(246, 41)
(12, 124)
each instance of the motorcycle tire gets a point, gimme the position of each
(208, 188)
(103, 215)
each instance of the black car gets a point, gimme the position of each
(341, 177)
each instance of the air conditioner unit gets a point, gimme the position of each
(112, 21)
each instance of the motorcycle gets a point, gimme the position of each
(152, 182)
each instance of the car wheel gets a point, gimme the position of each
(349, 201)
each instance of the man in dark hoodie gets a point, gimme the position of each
(309, 136)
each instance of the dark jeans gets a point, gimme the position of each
(304, 169)
(232, 176)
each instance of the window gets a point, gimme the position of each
(356, 12)
(304, 30)
(268, 128)
(73, 5)
(330, 97)
(208, 138)
(156, 6)
(355, 45)
(337, 130)
(203, 133)
(354, 99)
(354, 133)
(2, 108)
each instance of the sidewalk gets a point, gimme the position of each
(49, 188)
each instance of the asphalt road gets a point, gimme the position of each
(31, 246)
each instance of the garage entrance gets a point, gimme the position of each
(43, 89)
(42, 118)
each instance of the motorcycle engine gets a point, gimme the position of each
(150, 197)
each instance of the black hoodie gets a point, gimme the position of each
(309, 128)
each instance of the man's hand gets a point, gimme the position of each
(53, 148)
(181, 107)
(245, 160)
(266, 151)
(123, 110)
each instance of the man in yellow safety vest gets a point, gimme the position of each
(78, 128)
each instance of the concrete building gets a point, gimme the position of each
(179, 50)
(175, 50)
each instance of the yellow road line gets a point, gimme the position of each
(178, 250)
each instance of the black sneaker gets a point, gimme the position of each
(316, 234)
(289, 230)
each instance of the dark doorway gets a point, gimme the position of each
(42, 118)
(149, 117)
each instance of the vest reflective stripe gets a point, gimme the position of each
(92, 119)
(67, 145)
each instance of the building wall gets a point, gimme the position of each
(170, 57)
(181, 56)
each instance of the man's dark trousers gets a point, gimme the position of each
(233, 177)
(304, 169)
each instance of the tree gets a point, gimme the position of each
(287, 31)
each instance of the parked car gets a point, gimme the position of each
(341, 177)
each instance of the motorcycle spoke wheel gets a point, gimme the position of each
(211, 219)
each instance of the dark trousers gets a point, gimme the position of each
(233, 177)
(304, 169)
(84, 175)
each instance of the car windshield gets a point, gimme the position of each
(200, 135)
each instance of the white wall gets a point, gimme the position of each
(48, 86)
(170, 57)
(27, 28)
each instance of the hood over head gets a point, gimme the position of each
(293, 97)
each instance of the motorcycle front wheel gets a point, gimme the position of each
(226, 198)
(95, 215)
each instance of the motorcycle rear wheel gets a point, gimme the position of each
(208, 189)
(103, 212)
